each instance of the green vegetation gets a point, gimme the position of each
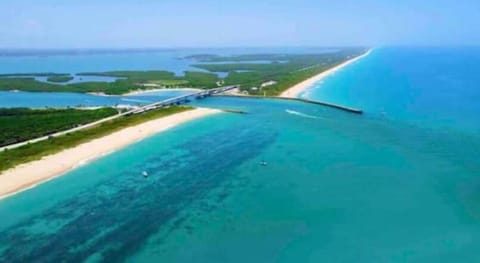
(30, 84)
(245, 57)
(201, 79)
(59, 79)
(285, 69)
(134, 75)
(129, 80)
(35, 151)
(191, 79)
(169, 82)
(22, 124)
(26, 84)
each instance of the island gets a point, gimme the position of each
(257, 74)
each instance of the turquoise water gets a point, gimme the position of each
(76, 79)
(338, 187)
(430, 87)
(66, 99)
(75, 61)
(95, 62)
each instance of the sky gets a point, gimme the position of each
(217, 23)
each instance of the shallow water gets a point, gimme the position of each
(9, 99)
(75, 61)
(76, 79)
(338, 187)
(338, 182)
(95, 62)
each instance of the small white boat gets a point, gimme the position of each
(263, 163)
(145, 174)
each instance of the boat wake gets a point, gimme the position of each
(297, 113)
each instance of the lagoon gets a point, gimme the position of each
(10, 99)
(78, 61)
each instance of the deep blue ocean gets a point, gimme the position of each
(400, 183)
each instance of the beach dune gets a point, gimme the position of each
(31, 174)
(296, 90)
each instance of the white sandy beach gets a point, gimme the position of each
(294, 91)
(30, 174)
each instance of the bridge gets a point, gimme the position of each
(174, 101)
(168, 102)
(219, 91)
(182, 99)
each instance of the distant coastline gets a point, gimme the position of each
(82, 51)
(299, 88)
(258, 73)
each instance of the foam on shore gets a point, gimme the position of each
(301, 87)
(29, 175)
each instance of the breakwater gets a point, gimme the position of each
(323, 103)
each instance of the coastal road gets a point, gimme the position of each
(82, 127)
(142, 109)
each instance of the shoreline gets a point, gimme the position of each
(296, 90)
(144, 91)
(32, 174)
(141, 92)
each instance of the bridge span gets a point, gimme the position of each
(183, 99)
(156, 105)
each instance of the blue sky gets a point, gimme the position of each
(194, 23)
